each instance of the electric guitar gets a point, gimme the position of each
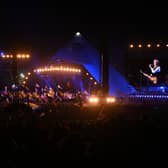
(153, 79)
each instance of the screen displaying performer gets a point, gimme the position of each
(155, 69)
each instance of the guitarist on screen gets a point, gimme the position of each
(155, 68)
(155, 72)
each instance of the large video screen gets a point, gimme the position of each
(138, 61)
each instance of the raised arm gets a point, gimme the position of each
(156, 70)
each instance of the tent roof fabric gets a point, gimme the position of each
(79, 51)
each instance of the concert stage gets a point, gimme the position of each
(65, 77)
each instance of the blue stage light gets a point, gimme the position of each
(2, 54)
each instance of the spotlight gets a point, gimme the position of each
(110, 100)
(149, 45)
(27, 56)
(140, 46)
(18, 56)
(22, 75)
(166, 45)
(29, 73)
(131, 46)
(158, 45)
(78, 34)
(94, 100)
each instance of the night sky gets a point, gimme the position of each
(44, 30)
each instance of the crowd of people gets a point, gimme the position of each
(39, 95)
(66, 131)
(128, 134)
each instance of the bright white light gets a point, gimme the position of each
(131, 46)
(18, 56)
(110, 99)
(22, 75)
(13, 86)
(140, 45)
(78, 34)
(59, 87)
(93, 99)
(27, 56)
(148, 45)
(158, 45)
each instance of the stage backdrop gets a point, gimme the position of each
(79, 51)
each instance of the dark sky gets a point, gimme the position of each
(45, 30)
